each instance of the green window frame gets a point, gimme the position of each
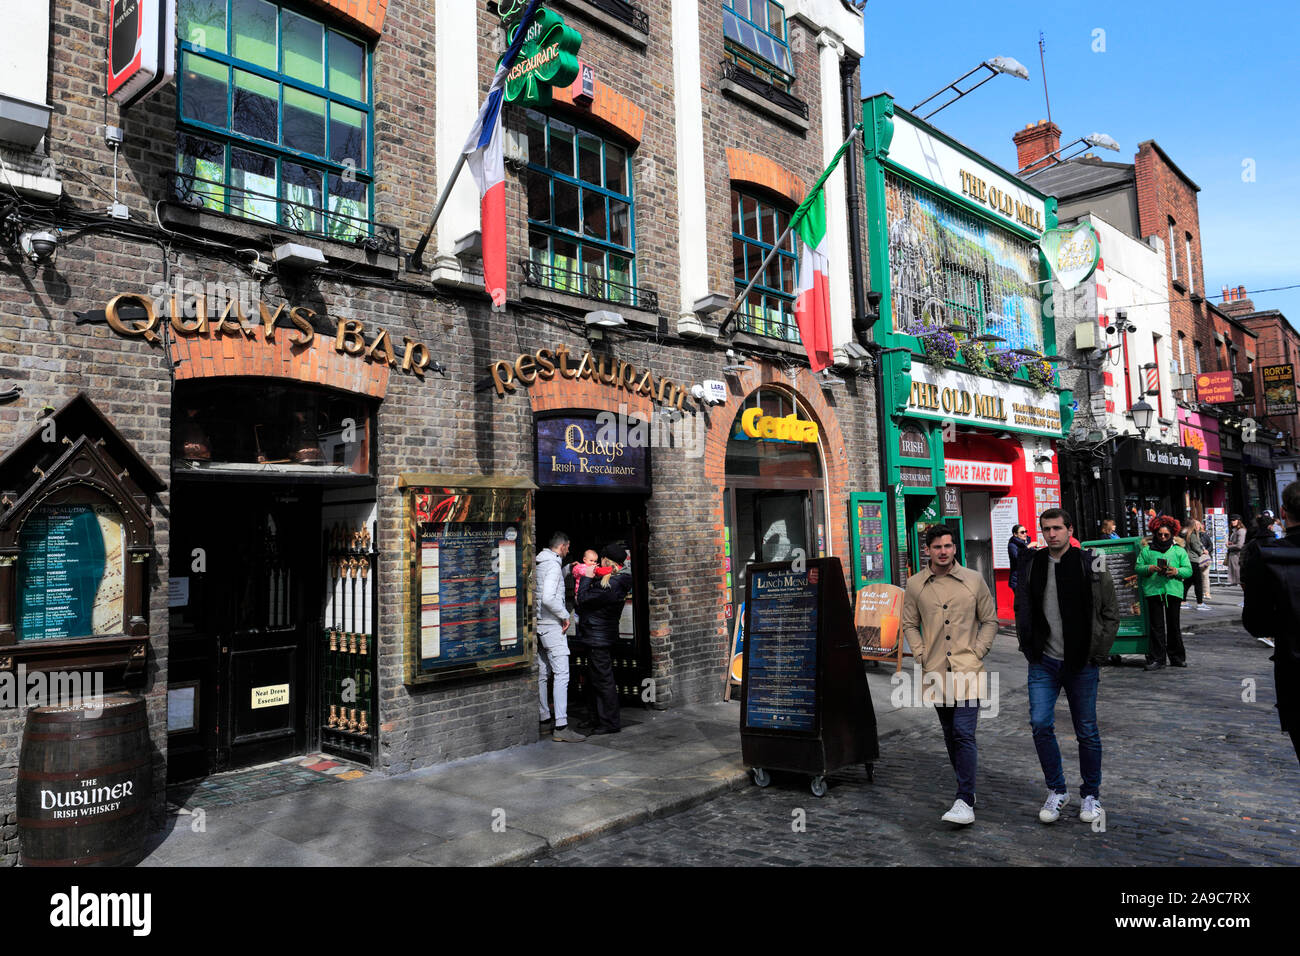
(275, 122)
(581, 213)
(756, 223)
(756, 38)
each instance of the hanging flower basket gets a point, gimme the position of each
(1040, 375)
(975, 355)
(1004, 365)
(940, 344)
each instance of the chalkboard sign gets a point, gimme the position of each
(782, 680)
(1120, 557)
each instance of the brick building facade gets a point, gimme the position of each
(231, 402)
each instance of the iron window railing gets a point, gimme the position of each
(589, 285)
(274, 116)
(625, 12)
(756, 224)
(757, 84)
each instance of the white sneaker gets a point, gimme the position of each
(1202, 607)
(961, 813)
(1091, 809)
(1052, 806)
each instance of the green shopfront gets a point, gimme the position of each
(972, 406)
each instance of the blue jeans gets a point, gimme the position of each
(1045, 682)
(959, 735)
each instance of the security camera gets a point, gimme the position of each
(39, 246)
(1130, 328)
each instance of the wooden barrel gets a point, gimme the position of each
(85, 780)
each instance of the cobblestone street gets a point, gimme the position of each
(1192, 775)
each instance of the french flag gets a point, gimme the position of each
(483, 153)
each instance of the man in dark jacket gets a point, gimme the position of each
(601, 597)
(1066, 618)
(1270, 583)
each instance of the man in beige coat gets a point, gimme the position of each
(950, 619)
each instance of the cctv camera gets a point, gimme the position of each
(1130, 328)
(39, 246)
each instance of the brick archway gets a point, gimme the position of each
(756, 170)
(213, 355)
(609, 108)
(557, 392)
(808, 393)
(365, 15)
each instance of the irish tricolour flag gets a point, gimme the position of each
(812, 304)
(484, 156)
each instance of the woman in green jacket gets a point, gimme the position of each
(1163, 569)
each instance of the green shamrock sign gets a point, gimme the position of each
(548, 58)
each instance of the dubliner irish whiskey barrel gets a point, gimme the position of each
(84, 784)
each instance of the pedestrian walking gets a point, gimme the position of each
(1067, 617)
(1200, 559)
(950, 619)
(553, 655)
(1017, 548)
(1270, 581)
(601, 596)
(1236, 541)
(1162, 567)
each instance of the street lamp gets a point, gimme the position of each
(998, 64)
(1143, 416)
(1098, 140)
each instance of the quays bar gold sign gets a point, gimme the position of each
(135, 315)
(604, 369)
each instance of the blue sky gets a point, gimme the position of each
(1214, 84)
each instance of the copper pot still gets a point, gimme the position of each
(192, 439)
(304, 442)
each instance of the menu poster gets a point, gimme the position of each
(71, 572)
(1216, 522)
(471, 580)
(781, 690)
(1120, 558)
(1047, 494)
(1005, 515)
(869, 516)
(876, 616)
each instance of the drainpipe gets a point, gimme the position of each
(851, 104)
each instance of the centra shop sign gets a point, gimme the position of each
(790, 428)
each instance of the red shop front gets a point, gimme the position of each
(999, 488)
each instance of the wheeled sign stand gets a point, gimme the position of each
(804, 703)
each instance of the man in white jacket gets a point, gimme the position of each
(553, 653)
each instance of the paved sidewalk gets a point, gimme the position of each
(516, 805)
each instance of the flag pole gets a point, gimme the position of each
(415, 262)
(794, 221)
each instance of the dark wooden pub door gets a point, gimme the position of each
(244, 638)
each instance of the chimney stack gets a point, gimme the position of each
(1035, 145)
(1235, 301)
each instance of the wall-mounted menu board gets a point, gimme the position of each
(1120, 557)
(781, 685)
(469, 594)
(71, 572)
(869, 528)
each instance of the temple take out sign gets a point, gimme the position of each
(958, 471)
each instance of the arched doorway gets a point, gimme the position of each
(775, 494)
